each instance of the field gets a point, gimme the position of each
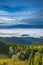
(14, 54)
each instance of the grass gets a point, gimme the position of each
(12, 62)
(2, 56)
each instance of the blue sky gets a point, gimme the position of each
(16, 12)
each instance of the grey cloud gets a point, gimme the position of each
(27, 17)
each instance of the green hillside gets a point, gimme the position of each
(17, 54)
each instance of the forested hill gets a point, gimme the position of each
(23, 40)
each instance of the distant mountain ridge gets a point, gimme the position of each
(23, 40)
(22, 26)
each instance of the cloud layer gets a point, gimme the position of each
(19, 32)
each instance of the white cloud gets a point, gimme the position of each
(7, 18)
(18, 32)
(13, 18)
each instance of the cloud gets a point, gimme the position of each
(6, 18)
(26, 17)
(14, 12)
(18, 32)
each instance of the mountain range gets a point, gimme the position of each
(22, 26)
(23, 40)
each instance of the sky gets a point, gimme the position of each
(15, 12)
(21, 13)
